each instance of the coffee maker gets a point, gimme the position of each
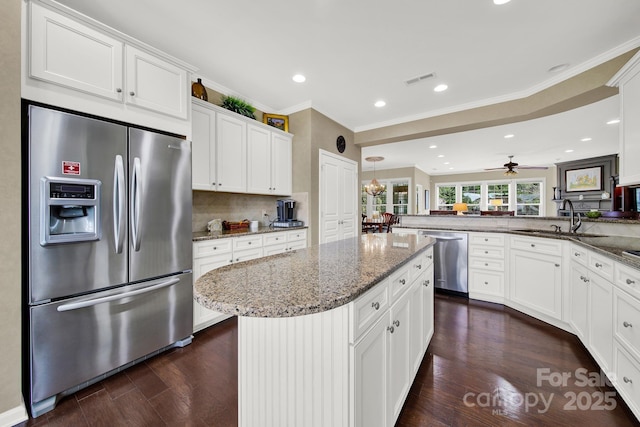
(286, 214)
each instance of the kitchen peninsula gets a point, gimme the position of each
(328, 335)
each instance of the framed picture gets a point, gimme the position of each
(588, 179)
(277, 121)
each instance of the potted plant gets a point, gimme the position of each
(238, 106)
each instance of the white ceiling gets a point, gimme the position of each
(356, 52)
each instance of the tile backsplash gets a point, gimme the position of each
(208, 205)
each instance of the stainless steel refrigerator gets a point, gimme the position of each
(108, 248)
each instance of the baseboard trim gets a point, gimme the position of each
(14, 416)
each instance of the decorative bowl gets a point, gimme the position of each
(593, 214)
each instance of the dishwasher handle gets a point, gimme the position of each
(444, 237)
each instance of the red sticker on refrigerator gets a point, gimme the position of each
(70, 168)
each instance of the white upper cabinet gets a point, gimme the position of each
(203, 148)
(235, 154)
(70, 51)
(628, 79)
(155, 84)
(231, 146)
(269, 162)
(281, 164)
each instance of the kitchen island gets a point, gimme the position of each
(328, 335)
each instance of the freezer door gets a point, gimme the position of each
(62, 145)
(160, 204)
(76, 340)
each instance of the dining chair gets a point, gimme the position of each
(388, 221)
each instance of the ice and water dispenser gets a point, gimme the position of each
(70, 210)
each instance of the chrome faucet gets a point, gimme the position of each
(574, 224)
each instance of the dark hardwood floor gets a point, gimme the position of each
(485, 367)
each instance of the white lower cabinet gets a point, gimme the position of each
(535, 276)
(211, 254)
(626, 325)
(390, 342)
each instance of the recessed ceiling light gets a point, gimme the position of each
(440, 88)
(446, 163)
(613, 122)
(499, 2)
(509, 136)
(585, 139)
(568, 151)
(440, 155)
(299, 78)
(558, 68)
(450, 169)
(433, 146)
(380, 104)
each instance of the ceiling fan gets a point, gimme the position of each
(512, 167)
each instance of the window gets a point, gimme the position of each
(395, 198)
(471, 195)
(498, 197)
(528, 198)
(446, 197)
(525, 197)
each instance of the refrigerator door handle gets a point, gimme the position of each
(119, 204)
(135, 203)
(96, 301)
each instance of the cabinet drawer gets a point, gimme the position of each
(486, 282)
(486, 264)
(601, 265)
(398, 283)
(486, 251)
(579, 254)
(274, 238)
(627, 377)
(274, 249)
(368, 308)
(486, 239)
(247, 242)
(538, 245)
(417, 266)
(628, 278)
(247, 254)
(428, 255)
(211, 247)
(298, 244)
(296, 235)
(626, 327)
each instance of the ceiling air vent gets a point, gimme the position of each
(418, 79)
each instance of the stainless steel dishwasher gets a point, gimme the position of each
(450, 260)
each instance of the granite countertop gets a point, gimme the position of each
(611, 246)
(306, 281)
(206, 235)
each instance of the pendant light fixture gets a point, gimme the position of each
(374, 188)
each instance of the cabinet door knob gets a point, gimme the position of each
(390, 329)
(576, 254)
(486, 240)
(486, 283)
(249, 242)
(557, 265)
(430, 257)
(119, 90)
(426, 283)
(213, 183)
(132, 93)
(486, 264)
(533, 246)
(402, 281)
(486, 252)
(418, 266)
(627, 380)
(598, 265)
(396, 323)
(375, 305)
(627, 324)
(215, 248)
(629, 281)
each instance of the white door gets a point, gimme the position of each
(399, 367)
(370, 364)
(427, 305)
(600, 315)
(70, 54)
(203, 148)
(579, 302)
(258, 160)
(338, 197)
(155, 84)
(281, 164)
(231, 143)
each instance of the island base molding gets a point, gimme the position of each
(294, 371)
